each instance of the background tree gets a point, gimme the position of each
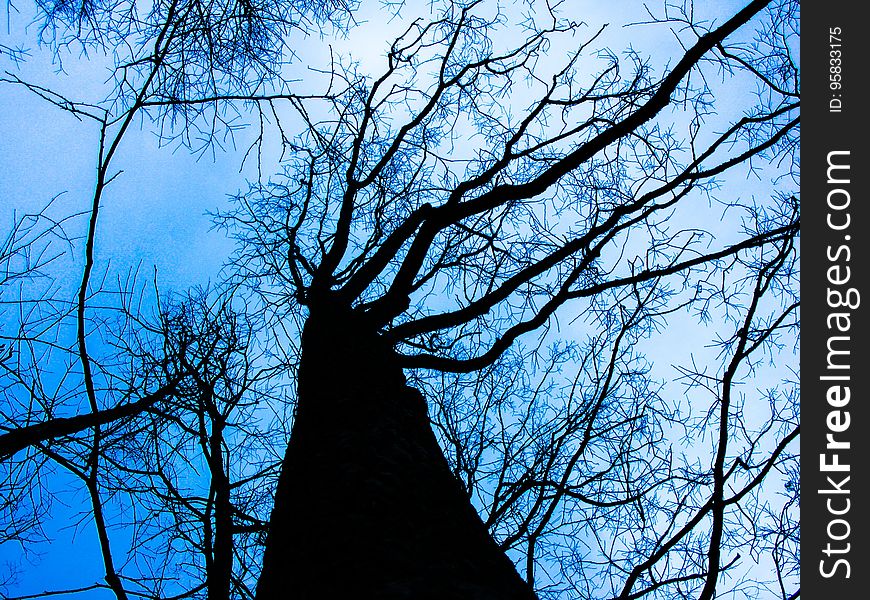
(428, 220)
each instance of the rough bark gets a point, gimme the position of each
(366, 504)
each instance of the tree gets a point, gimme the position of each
(429, 221)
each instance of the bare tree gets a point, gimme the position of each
(412, 270)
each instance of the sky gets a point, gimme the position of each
(156, 213)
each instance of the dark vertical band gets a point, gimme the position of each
(835, 229)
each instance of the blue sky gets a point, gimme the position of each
(155, 213)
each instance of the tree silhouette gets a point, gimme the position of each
(386, 354)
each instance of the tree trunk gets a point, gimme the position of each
(366, 505)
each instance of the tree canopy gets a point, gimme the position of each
(519, 209)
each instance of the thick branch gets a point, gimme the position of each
(500, 195)
(18, 439)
